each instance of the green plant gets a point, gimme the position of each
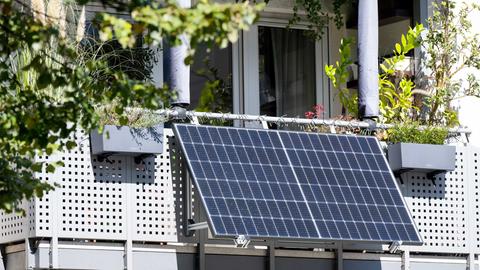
(317, 16)
(216, 95)
(338, 75)
(451, 45)
(473, 88)
(136, 117)
(411, 132)
(395, 93)
(396, 90)
(33, 120)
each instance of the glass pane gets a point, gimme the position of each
(212, 69)
(287, 71)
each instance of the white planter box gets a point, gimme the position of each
(426, 158)
(124, 140)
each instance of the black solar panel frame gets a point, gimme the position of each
(320, 240)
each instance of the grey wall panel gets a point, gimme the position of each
(371, 265)
(91, 259)
(15, 261)
(232, 262)
(285, 263)
(186, 261)
(163, 261)
(437, 266)
(155, 260)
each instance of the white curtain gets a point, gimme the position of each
(294, 65)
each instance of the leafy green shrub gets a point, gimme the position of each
(395, 94)
(411, 132)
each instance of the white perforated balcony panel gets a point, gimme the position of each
(440, 207)
(153, 198)
(474, 198)
(115, 199)
(14, 227)
(122, 200)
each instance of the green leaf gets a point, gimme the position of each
(37, 167)
(71, 144)
(44, 80)
(398, 48)
(50, 168)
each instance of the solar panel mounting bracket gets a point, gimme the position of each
(264, 123)
(195, 120)
(197, 226)
(187, 202)
(394, 247)
(242, 241)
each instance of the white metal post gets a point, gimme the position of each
(53, 252)
(471, 261)
(130, 226)
(405, 260)
(2, 266)
(368, 58)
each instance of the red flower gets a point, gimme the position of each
(309, 115)
(319, 110)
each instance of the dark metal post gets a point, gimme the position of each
(368, 58)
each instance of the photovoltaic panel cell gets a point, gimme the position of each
(295, 185)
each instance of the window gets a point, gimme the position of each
(286, 71)
(283, 71)
(211, 69)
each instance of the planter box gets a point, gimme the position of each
(124, 140)
(426, 158)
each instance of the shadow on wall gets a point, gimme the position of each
(418, 185)
(237, 262)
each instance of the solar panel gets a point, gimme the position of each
(295, 185)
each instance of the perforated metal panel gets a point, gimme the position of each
(439, 207)
(473, 180)
(14, 227)
(178, 173)
(153, 198)
(122, 200)
(113, 199)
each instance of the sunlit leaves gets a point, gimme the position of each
(395, 96)
(49, 88)
(210, 23)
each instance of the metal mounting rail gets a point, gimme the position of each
(289, 120)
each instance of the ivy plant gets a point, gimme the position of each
(317, 16)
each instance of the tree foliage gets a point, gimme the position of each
(317, 15)
(52, 91)
(451, 45)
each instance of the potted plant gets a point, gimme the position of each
(412, 148)
(141, 135)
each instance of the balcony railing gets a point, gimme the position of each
(119, 200)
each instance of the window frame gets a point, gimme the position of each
(248, 100)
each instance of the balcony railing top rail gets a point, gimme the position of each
(369, 124)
